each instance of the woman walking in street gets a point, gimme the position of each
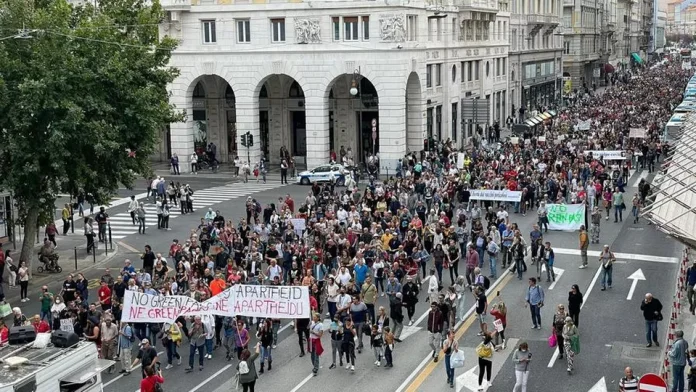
(637, 206)
(484, 351)
(499, 312)
(246, 368)
(23, 274)
(571, 340)
(521, 359)
(574, 303)
(557, 328)
(449, 347)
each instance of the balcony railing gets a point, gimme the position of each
(542, 19)
(176, 5)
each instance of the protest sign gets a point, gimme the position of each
(608, 155)
(498, 324)
(584, 125)
(460, 160)
(67, 325)
(566, 217)
(638, 133)
(496, 195)
(280, 302)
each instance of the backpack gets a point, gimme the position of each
(243, 367)
(486, 283)
(158, 387)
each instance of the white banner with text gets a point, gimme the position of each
(496, 195)
(278, 302)
(565, 217)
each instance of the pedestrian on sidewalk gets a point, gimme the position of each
(140, 212)
(283, 172)
(175, 164)
(677, 356)
(12, 269)
(51, 232)
(66, 214)
(109, 340)
(23, 274)
(46, 299)
(194, 163)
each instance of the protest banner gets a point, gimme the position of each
(460, 160)
(496, 195)
(271, 301)
(566, 217)
(280, 302)
(638, 133)
(298, 224)
(584, 125)
(608, 155)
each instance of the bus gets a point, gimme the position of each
(685, 54)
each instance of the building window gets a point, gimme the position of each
(454, 73)
(470, 71)
(497, 67)
(429, 123)
(244, 30)
(455, 108)
(438, 122)
(430, 30)
(566, 47)
(504, 65)
(428, 76)
(455, 29)
(336, 27)
(438, 75)
(477, 65)
(209, 36)
(278, 30)
(350, 28)
(366, 27)
(462, 71)
(411, 27)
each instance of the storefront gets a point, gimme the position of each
(540, 118)
(539, 95)
(6, 217)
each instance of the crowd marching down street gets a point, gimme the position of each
(429, 232)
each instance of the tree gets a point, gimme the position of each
(82, 99)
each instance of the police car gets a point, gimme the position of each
(322, 173)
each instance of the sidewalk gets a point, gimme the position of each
(72, 250)
(225, 170)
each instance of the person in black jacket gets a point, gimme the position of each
(575, 300)
(652, 312)
(397, 315)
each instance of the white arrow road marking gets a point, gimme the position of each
(635, 277)
(600, 386)
(469, 379)
(643, 175)
(558, 271)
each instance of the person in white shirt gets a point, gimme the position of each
(433, 286)
(342, 215)
(194, 163)
(343, 276)
(132, 207)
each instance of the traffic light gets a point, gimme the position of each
(250, 140)
(244, 140)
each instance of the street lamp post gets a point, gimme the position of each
(355, 92)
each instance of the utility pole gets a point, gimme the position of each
(248, 142)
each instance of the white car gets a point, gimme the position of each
(323, 173)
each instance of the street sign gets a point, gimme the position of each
(374, 123)
(652, 383)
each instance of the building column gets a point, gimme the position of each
(181, 133)
(391, 130)
(317, 131)
(248, 121)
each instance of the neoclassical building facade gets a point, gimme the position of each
(375, 77)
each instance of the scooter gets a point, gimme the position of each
(50, 264)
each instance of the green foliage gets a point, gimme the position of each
(88, 86)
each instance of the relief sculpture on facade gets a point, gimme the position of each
(392, 28)
(307, 31)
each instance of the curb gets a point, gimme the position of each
(43, 280)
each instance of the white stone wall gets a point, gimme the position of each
(317, 67)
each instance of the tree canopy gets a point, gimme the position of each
(82, 100)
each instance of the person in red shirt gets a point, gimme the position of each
(151, 379)
(499, 312)
(290, 203)
(218, 285)
(104, 294)
(40, 326)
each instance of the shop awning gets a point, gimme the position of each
(539, 118)
(636, 58)
(672, 206)
(608, 68)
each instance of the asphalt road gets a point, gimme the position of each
(611, 327)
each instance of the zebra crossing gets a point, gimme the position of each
(122, 223)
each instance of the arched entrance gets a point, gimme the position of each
(353, 117)
(414, 113)
(214, 117)
(282, 118)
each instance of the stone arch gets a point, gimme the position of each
(414, 113)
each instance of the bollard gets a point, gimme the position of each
(72, 222)
(111, 244)
(75, 258)
(94, 252)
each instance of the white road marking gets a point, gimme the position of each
(643, 175)
(600, 386)
(207, 380)
(554, 357)
(625, 256)
(635, 277)
(302, 383)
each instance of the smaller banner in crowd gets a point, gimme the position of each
(503, 195)
(608, 155)
(280, 302)
(584, 125)
(638, 133)
(566, 217)
(460, 160)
